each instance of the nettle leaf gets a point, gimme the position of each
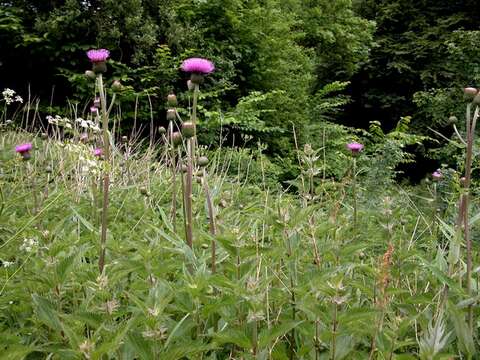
(233, 336)
(267, 336)
(46, 312)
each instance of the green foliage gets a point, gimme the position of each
(295, 276)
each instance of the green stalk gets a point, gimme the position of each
(468, 172)
(106, 174)
(189, 177)
(354, 190)
(211, 215)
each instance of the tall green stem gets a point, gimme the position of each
(189, 179)
(354, 190)
(106, 172)
(468, 170)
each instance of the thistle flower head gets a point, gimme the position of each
(23, 148)
(437, 174)
(98, 152)
(198, 65)
(98, 55)
(355, 147)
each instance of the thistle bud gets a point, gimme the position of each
(84, 138)
(470, 91)
(124, 139)
(172, 100)
(90, 74)
(99, 67)
(196, 78)
(452, 119)
(476, 99)
(184, 168)
(96, 102)
(176, 138)
(190, 85)
(44, 136)
(48, 169)
(117, 86)
(162, 130)
(171, 114)
(188, 129)
(202, 161)
(144, 191)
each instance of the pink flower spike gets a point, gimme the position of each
(355, 147)
(437, 175)
(98, 55)
(98, 152)
(23, 148)
(198, 65)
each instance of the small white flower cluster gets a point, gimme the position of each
(7, 264)
(88, 125)
(59, 121)
(9, 96)
(29, 245)
(89, 166)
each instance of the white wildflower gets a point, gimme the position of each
(29, 245)
(7, 264)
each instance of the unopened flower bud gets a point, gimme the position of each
(99, 67)
(162, 130)
(176, 138)
(202, 161)
(452, 120)
(196, 78)
(190, 85)
(96, 102)
(184, 168)
(470, 91)
(48, 169)
(171, 114)
(44, 136)
(124, 139)
(307, 149)
(144, 191)
(117, 86)
(90, 74)
(188, 129)
(172, 100)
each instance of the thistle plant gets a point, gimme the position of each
(99, 66)
(471, 122)
(197, 68)
(24, 151)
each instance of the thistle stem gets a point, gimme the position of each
(106, 175)
(189, 177)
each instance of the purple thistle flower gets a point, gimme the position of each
(98, 55)
(23, 148)
(198, 65)
(98, 152)
(355, 147)
(93, 109)
(437, 175)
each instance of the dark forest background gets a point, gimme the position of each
(282, 65)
